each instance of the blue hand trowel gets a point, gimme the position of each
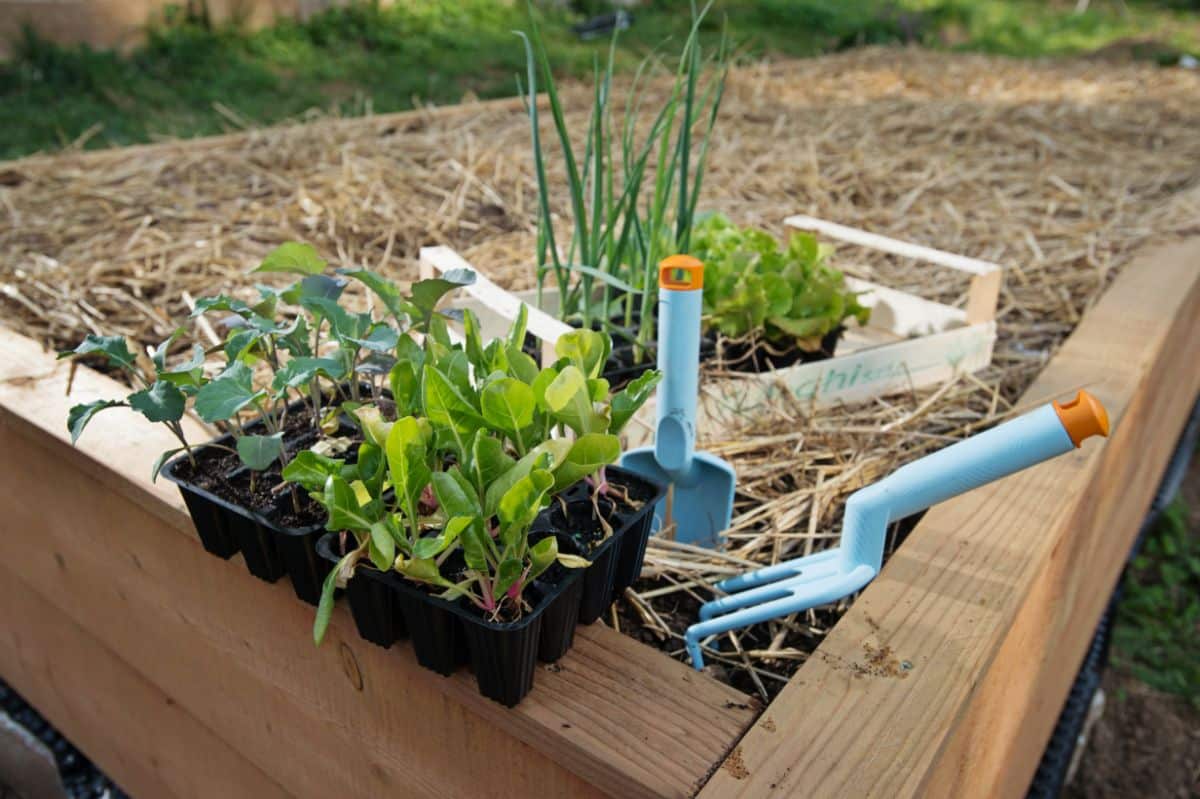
(700, 502)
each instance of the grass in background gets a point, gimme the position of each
(193, 79)
(1157, 635)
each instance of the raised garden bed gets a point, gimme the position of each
(943, 678)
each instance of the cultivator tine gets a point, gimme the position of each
(775, 601)
(800, 574)
(770, 574)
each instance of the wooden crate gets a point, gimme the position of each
(183, 676)
(909, 343)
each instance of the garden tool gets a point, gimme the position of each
(700, 501)
(828, 576)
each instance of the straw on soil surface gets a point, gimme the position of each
(1055, 170)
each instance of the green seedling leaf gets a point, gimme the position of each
(259, 452)
(371, 467)
(79, 415)
(516, 332)
(541, 556)
(474, 342)
(422, 570)
(338, 576)
(221, 302)
(488, 460)
(456, 366)
(587, 350)
(114, 349)
(520, 364)
(161, 461)
(405, 382)
(521, 503)
(406, 456)
(476, 543)
(187, 375)
(380, 338)
(629, 400)
(162, 402)
(508, 405)
(294, 257)
(589, 454)
(446, 406)
(159, 356)
(345, 511)
(301, 372)
(432, 547)
(222, 397)
(382, 549)
(507, 574)
(387, 291)
(455, 494)
(569, 401)
(374, 427)
(547, 455)
(242, 344)
(342, 323)
(310, 470)
(312, 286)
(426, 294)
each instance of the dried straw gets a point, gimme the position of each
(1056, 170)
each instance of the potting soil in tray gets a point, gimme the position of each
(756, 357)
(446, 634)
(627, 510)
(233, 513)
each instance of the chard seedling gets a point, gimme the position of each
(473, 463)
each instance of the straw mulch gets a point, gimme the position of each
(1057, 171)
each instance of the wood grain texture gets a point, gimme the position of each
(949, 671)
(116, 556)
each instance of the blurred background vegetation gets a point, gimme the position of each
(192, 77)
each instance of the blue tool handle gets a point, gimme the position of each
(1018, 444)
(680, 297)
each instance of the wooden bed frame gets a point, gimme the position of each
(183, 676)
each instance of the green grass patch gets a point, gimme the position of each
(1157, 634)
(193, 79)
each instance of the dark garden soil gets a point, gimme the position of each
(220, 472)
(756, 356)
(1146, 745)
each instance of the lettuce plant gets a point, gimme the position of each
(752, 288)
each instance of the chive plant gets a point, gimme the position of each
(632, 202)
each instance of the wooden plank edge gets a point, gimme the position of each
(857, 622)
(109, 447)
(83, 687)
(998, 742)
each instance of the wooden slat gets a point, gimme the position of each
(117, 556)
(115, 714)
(946, 676)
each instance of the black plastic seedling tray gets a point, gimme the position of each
(447, 634)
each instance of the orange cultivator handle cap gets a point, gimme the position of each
(1083, 417)
(681, 273)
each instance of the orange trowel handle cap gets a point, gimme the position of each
(1083, 417)
(681, 273)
